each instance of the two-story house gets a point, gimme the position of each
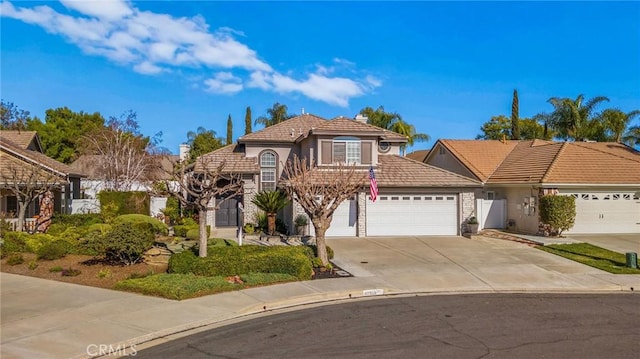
(414, 198)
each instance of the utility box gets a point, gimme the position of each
(632, 260)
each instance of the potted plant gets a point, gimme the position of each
(301, 224)
(472, 225)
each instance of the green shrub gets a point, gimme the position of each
(181, 230)
(188, 221)
(103, 228)
(219, 242)
(559, 212)
(158, 227)
(183, 286)
(125, 202)
(249, 228)
(232, 260)
(194, 233)
(55, 269)
(104, 273)
(13, 242)
(314, 251)
(125, 243)
(76, 220)
(15, 259)
(5, 227)
(33, 265)
(57, 228)
(55, 250)
(37, 240)
(172, 209)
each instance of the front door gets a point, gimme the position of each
(227, 212)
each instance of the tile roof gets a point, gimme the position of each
(420, 155)
(21, 139)
(88, 166)
(347, 125)
(234, 157)
(396, 171)
(287, 131)
(12, 152)
(301, 126)
(539, 161)
(595, 163)
(481, 157)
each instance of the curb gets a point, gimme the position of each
(328, 299)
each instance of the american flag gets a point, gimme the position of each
(373, 185)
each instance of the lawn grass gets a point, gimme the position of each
(184, 286)
(604, 259)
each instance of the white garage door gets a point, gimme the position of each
(402, 215)
(344, 222)
(606, 213)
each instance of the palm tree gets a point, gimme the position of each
(276, 114)
(572, 118)
(632, 136)
(615, 122)
(271, 202)
(392, 121)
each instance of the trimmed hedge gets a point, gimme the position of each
(228, 261)
(157, 225)
(126, 202)
(314, 251)
(559, 212)
(125, 243)
(75, 220)
(55, 250)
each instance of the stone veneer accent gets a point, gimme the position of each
(362, 214)
(467, 200)
(250, 191)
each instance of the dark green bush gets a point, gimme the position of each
(559, 212)
(125, 243)
(125, 202)
(158, 227)
(232, 260)
(181, 230)
(76, 220)
(15, 259)
(55, 250)
(172, 210)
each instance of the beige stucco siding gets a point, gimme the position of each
(516, 209)
(448, 162)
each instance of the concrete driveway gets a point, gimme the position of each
(458, 263)
(621, 243)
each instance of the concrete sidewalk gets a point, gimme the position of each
(48, 319)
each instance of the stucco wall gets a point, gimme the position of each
(516, 209)
(448, 162)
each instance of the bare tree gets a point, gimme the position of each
(320, 191)
(124, 155)
(199, 185)
(27, 182)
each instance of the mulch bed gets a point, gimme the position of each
(335, 272)
(94, 273)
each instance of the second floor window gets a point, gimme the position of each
(268, 161)
(346, 152)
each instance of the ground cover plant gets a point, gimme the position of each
(594, 256)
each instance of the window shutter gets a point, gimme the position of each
(326, 152)
(365, 154)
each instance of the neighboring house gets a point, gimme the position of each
(603, 177)
(414, 198)
(94, 182)
(21, 150)
(419, 155)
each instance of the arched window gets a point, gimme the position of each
(268, 170)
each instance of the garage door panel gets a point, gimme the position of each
(600, 212)
(344, 221)
(412, 215)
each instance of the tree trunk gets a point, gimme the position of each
(271, 223)
(22, 211)
(202, 244)
(321, 229)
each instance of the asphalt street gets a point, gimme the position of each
(441, 326)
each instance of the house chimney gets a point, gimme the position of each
(184, 151)
(362, 118)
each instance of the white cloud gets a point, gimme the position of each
(151, 43)
(224, 83)
(260, 80)
(332, 90)
(104, 9)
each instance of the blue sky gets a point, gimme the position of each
(446, 67)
